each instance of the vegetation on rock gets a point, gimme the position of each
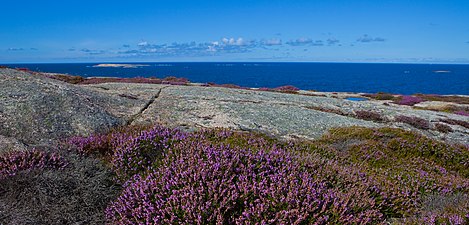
(414, 121)
(456, 122)
(369, 115)
(16, 161)
(350, 176)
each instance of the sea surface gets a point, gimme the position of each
(339, 77)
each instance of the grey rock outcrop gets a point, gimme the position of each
(37, 110)
(282, 115)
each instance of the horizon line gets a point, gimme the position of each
(331, 62)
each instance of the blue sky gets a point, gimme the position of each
(431, 31)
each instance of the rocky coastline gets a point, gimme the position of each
(66, 138)
(36, 110)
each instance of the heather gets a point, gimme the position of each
(350, 176)
(99, 80)
(444, 98)
(416, 98)
(212, 84)
(381, 96)
(462, 112)
(443, 128)
(461, 123)
(413, 121)
(369, 115)
(68, 78)
(408, 100)
(328, 110)
(284, 89)
(13, 162)
(448, 108)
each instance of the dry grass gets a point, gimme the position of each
(75, 195)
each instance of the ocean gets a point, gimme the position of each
(331, 77)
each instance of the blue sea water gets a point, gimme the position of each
(356, 99)
(339, 77)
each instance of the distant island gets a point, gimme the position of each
(121, 65)
(442, 71)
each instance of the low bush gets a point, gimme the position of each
(456, 122)
(408, 100)
(329, 110)
(211, 84)
(444, 98)
(443, 128)
(142, 80)
(221, 176)
(23, 69)
(413, 121)
(13, 162)
(175, 80)
(369, 115)
(223, 185)
(287, 89)
(462, 112)
(68, 78)
(381, 96)
(284, 89)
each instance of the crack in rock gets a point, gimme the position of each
(145, 107)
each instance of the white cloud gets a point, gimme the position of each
(15, 49)
(300, 41)
(367, 39)
(143, 44)
(273, 41)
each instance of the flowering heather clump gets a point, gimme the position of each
(369, 115)
(351, 176)
(329, 110)
(224, 185)
(287, 89)
(456, 122)
(130, 150)
(445, 98)
(136, 154)
(408, 100)
(212, 84)
(443, 128)
(414, 121)
(227, 86)
(100, 80)
(264, 89)
(462, 113)
(175, 80)
(13, 162)
(403, 166)
(104, 144)
(91, 144)
(23, 69)
(439, 209)
(283, 89)
(68, 78)
(381, 96)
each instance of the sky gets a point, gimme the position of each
(411, 31)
